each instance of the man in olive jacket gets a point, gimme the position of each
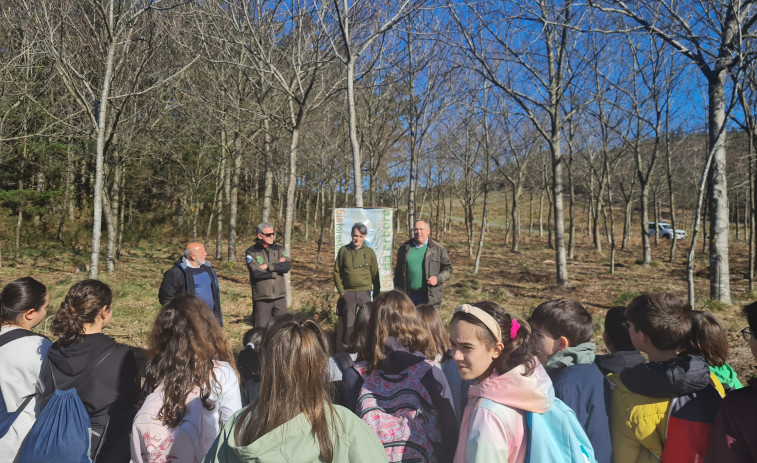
(422, 267)
(267, 263)
(355, 274)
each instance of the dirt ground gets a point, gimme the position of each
(519, 281)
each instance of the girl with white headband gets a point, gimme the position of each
(496, 352)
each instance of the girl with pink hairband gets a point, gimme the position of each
(498, 353)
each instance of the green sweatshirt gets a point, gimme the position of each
(294, 442)
(356, 270)
(726, 376)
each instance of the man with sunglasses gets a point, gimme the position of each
(355, 274)
(267, 263)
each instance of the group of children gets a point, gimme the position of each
(492, 388)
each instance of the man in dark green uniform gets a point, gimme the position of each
(355, 274)
(267, 263)
(422, 267)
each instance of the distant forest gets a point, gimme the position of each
(212, 116)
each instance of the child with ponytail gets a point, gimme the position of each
(23, 305)
(498, 353)
(110, 393)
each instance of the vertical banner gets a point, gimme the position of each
(379, 238)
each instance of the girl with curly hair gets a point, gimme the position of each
(111, 391)
(189, 359)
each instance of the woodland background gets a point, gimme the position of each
(538, 138)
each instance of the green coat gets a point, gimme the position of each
(293, 442)
(356, 270)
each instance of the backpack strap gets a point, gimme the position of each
(12, 335)
(343, 360)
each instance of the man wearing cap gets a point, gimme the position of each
(356, 272)
(267, 263)
(422, 267)
(193, 275)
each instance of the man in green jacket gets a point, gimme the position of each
(355, 274)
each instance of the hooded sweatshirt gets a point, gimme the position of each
(618, 361)
(294, 442)
(727, 377)
(494, 422)
(734, 434)
(663, 410)
(109, 394)
(581, 385)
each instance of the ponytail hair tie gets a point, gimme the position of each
(514, 327)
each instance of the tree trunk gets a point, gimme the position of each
(354, 144)
(717, 192)
(100, 151)
(268, 172)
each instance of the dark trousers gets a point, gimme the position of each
(266, 310)
(418, 297)
(347, 308)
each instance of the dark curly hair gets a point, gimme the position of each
(82, 304)
(519, 351)
(185, 342)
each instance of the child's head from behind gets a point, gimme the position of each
(485, 338)
(616, 334)
(750, 312)
(294, 380)
(394, 316)
(24, 302)
(663, 318)
(560, 324)
(433, 322)
(253, 337)
(707, 338)
(184, 345)
(88, 302)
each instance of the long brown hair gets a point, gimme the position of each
(439, 336)
(394, 316)
(185, 342)
(520, 350)
(294, 379)
(82, 304)
(707, 338)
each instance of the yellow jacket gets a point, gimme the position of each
(638, 423)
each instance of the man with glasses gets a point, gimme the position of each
(267, 263)
(422, 267)
(356, 273)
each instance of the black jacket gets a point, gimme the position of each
(178, 281)
(618, 361)
(109, 394)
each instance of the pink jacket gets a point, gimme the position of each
(494, 424)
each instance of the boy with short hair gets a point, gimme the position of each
(618, 342)
(662, 410)
(734, 434)
(563, 330)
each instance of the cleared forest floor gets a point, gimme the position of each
(518, 281)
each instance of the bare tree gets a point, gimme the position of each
(533, 71)
(713, 46)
